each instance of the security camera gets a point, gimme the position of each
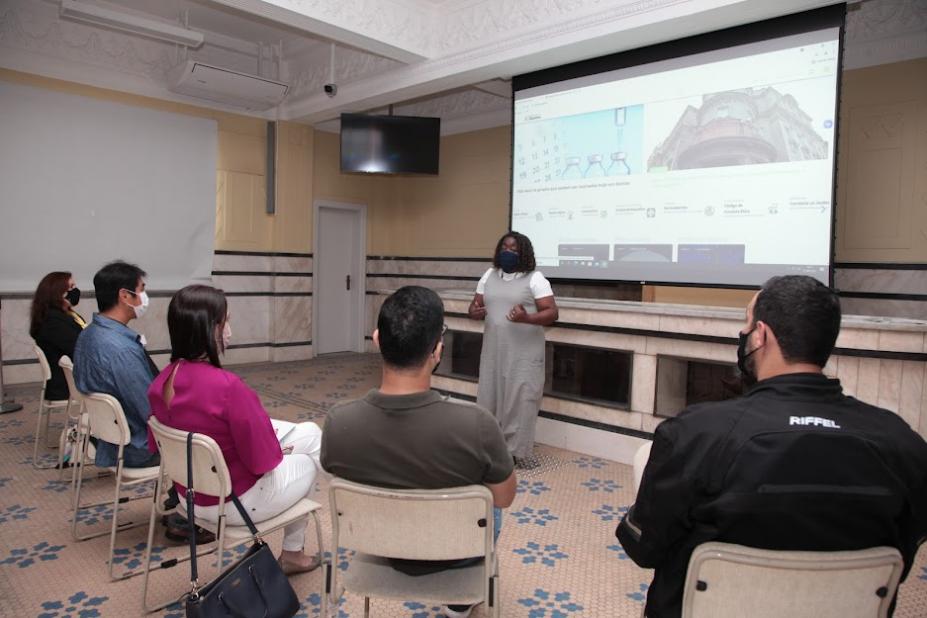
(331, 89)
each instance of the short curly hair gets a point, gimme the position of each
(526, 262)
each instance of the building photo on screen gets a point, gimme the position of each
(715, 168)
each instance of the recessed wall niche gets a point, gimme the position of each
(682, 382)
(579, 373)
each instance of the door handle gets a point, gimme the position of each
(347, 282)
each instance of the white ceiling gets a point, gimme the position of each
(426, 57)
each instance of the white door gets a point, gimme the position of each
(339, 287)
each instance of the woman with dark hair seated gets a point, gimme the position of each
(55, 326)
(272, 463)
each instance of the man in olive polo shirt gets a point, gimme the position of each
(405, 435)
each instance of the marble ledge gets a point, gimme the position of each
(736, 316)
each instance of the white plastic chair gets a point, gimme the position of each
(641, 456)
(80, 422)
(439, 524)
(728, 581)
(211, 477)
(45, 409)
(108, 423)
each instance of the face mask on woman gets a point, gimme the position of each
(508, 261)
(72, 296)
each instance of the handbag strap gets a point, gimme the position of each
(190, 514)
(244, 515)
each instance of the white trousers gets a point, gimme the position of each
(282, 487)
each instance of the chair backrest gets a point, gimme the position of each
(640, 462)
(67, 368)
(210, 474)
(43, 363)
(107, 420)
(726, 580)
(436, 524)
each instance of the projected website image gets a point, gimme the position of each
(742, 127)
(643, 253)
(604, 143)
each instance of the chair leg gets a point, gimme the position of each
(62, 444)
(318, 535)
(42, 414)
(366, 607)
(115, 522)
(78, 462)
(220, 544)
(495, 610)
(80, 482)
(326, 587)
(151, 528)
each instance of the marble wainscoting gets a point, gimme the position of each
(270, 300)
(19, 361)
(894, 290)
(388, 273)
(879, 360)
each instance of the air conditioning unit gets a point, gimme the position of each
(228, 86)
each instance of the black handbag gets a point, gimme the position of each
(253, 587)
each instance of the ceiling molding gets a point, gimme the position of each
(884, 32)
(606, 31)
(427, 57)
(383, 27)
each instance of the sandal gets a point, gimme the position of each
(293, 568)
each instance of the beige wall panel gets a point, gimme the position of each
(293, 219)
(879, 181)
(240, 152)
(461, 212)
(700, 296)
(882, 164)
(241, 220)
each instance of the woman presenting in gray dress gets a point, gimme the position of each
(517, 302)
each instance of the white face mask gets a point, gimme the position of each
(143, 307)
(226, 335)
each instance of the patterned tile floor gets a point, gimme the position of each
(559, 557)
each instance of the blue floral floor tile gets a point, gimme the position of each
(619, 551)
(595, 463)
(78, 605)
(527, 486)
(611, 513)
(16, 513)
(312, 606)
(544, 604)
(538, 517)
(639, 595)
(535, 553)
(132, 558)
(604, 485)
(27, 556)
(558, 556)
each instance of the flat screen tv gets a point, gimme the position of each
(389, 144)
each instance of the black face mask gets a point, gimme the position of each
(746, 372)
(73, 296)
(508, 261)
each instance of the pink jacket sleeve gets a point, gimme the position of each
(252, 432)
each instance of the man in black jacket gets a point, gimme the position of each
(794, 464)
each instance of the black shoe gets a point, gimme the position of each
(177, 529)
